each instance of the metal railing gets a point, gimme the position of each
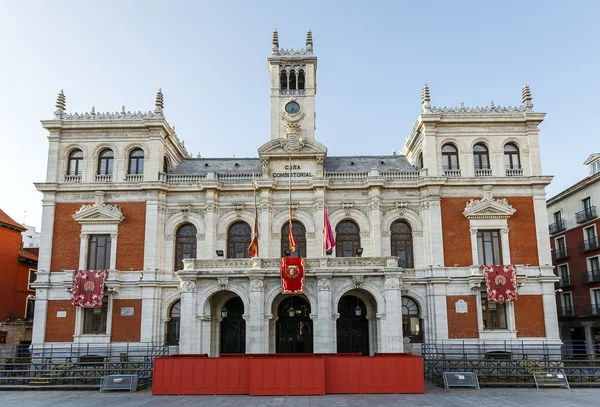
(589, 244)
(557, 226)
(586, 214)
(565, 281)
(560, 253)
(566, 312)
(590, 276)
(591, 310)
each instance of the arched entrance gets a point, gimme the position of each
(233, 327)
(352, 326)
(294, 326)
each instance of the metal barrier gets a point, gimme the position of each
(75, 365)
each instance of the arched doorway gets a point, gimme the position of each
(233, 327)
(352, 326)
(294, 326)
(173, 324)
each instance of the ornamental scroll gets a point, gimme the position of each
(88, 288)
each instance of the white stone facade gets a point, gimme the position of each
(373, 192)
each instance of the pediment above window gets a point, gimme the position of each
(99, 213)
(487, 207)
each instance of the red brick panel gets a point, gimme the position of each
(456, 232)
(10, 241)
(132, 234)
(126, 328)
(65, 239)
(529, 316)
(462, 325)
(60, 329)
(522, 235)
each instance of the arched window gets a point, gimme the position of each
(402, 245)
(283, 80)
(299, 235)
(420, 161)
(75, 163)
(239, 237)
(411, 322)
(301, 79)
(136, 161)
(185, 246)
(173, 324)
(347, 238)
(105, 162)
(450, 157)
(292, 80)
(481, 157)
(511, 157)
(165, 165)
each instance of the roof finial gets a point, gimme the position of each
(393, 151)
(425, 98)
(309, 41)
(527, 97)
(61, 104)
(159, 102)
(275, 42)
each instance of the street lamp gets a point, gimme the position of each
(224, 312)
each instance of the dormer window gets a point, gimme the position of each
(595, 167)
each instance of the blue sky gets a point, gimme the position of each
(210, 60)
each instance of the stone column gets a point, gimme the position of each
(256, 339)
(589, 339)
(322, 319)
(392, 340)
(187, 319)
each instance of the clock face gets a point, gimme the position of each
(292, 108)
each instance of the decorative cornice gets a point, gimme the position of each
(479, 110)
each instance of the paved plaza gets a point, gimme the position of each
(433, 397)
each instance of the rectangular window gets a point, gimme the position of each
(489, 247)
(594, 264)
(561, 248)
(494, 313)
(94, 319)
(99, 252)
(567, 303)
(563, 273)
(587, 204)
(590, 234)
(557, 217)
(596, 302)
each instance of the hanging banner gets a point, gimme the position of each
(500, 282)
(88, 288)
(292, 275)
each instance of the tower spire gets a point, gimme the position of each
(526, 95)
(309, 41)
(61, 104)
(425, 98)
(159, 102)
(275, 42)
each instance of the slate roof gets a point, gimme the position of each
(384, 163)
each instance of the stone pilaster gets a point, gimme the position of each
(256, 326)
(550, 312)
(392, 340)
(210, 226)
(322, 321)
(375, 219)
(264, 223)
(440, 316)
(188, 318)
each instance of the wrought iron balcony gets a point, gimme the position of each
(591, 310)
(586, 214)
(565, 281)
(566, 312)
(590, 276)
(557, 226)
(560, 253)
(590, 244)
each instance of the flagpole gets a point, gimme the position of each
(255, 207)
(290, 187)
(324, 206)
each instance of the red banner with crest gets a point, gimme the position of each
(500, 283)
(88, 288)
(292, 275)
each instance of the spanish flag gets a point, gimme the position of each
(291, 235)
(253, 248)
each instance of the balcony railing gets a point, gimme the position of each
(590, 244)
(72, 178)
(103, 178)
(566, 312)
(400, 175)
(565, 281)
(134, 177)
(557, 226)
(514, 172)
(591, 310)
(181, 178)
(483, 172)
(586, 214)
(347, 176)
(452, 173)
(590, 276)
(559, 253)
(236, 177)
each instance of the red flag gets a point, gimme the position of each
(88, 288)
(500, 283)
(292, 275)
(328, 239)
(253, 248)
(291, 236)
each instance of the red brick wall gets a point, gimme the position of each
(126, 329)
(462, 325)
(522, 235)
(66, 240)
(132, 235)
(456, 232)
(10, 241)
(529, 316)
(60, 329)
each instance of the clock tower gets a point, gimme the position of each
(293, 89)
